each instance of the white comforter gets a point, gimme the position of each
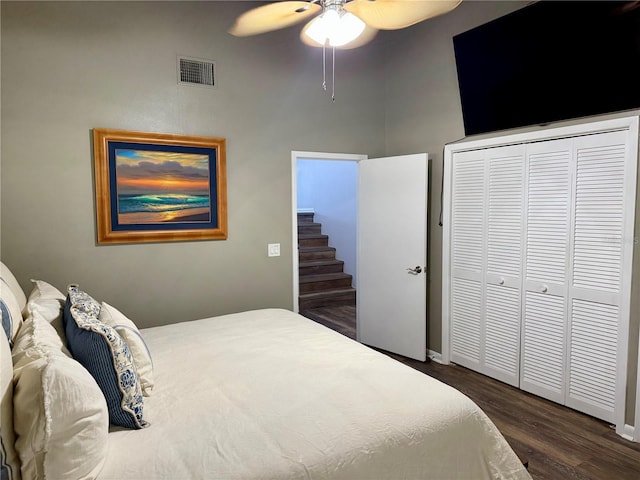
(268, 394)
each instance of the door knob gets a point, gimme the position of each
(415, 271)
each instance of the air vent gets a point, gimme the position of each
(196, 71)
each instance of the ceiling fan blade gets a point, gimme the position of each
(395, 14)
(365, 37)
(272, 16)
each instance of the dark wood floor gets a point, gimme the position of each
(559, 443)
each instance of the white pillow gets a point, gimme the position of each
(132, 337)
(42, 289)
(60, 415)
(49, 301)
(13, 284)
(36, 335)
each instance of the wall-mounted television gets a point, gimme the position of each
(549, 61)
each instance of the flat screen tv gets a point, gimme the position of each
(549, 61)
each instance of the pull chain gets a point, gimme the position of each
(333, 77)
(333, 71)
(324, 68)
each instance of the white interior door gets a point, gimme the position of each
(392, 254)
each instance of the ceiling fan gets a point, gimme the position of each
(339, 23)
(370, 16)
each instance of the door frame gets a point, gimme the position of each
(306, 155)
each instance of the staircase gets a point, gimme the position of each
(322, 279)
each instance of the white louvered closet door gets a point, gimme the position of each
(546, 268)
(596, 283)
(537, 268)
(505, 207)
(488, 205)
(467, 253)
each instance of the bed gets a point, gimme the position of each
(264, 394)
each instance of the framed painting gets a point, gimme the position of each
(153, 187)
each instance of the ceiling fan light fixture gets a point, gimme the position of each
(335, 27)
(349, 29)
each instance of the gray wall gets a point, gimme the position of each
(68, 67)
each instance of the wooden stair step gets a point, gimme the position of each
(313, 240)
(309, 227)
(323, 298)
(313, 267)
(324, 277)
(324, 281)
(316, 253)
(305, 217)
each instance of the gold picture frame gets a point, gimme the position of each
(154, 187)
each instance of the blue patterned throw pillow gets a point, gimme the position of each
(100, 349)
(9, 460)
(6, 473)
(7, 320)
(10, 311)
(4, 469)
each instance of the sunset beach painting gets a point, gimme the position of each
(157, 187)
(162, 186)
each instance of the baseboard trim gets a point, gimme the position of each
(434, 356)
(628, 433)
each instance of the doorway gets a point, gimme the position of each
(391, 261)
(334, 201)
